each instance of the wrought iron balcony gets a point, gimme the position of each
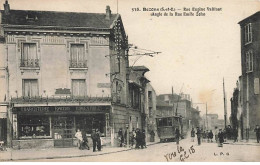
(33, 63)
(78, 64)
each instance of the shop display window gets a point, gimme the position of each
(34, 126)
(63, 127)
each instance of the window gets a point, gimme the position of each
(77, 56)
(135, 96)
(249, 61)
(150, 111)
(33, 126)
(30, 88)
(78, 87)
(248, 33)
(29, 56)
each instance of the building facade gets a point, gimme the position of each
(61, 71)
(249, 81)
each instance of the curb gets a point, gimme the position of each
(64, 157)
(242, 144)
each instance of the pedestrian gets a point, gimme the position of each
(98, 139)
(198, 135)
(210, 135)
(134, 138)
(143, 142)
(192, 134)
(177, 135)
(94, 139)
(78, 135)
(216, 134)
(121, 137)
(125, 137)
(85, 140)
(235, 135)
(207, 135)
(204, 136)
(131, 138)
(152, 134)
(138, 138)
(257, 131)
(221, 138)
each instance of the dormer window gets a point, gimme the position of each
(31, 17)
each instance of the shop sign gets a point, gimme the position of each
(46, 109)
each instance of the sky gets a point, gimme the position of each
(197, 52)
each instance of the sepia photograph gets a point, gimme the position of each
(129, 81)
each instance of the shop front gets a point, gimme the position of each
(55, 126)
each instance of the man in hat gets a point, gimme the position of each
(221, 138)
(198, 135)
(257, 131)
(94, 139)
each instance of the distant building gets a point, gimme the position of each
(210, 122)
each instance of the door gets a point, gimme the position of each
(63, 131)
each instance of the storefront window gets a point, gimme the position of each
(63, 127)
(33, 126)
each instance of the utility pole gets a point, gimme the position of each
(173, 103)
(207, 115)
(225, 104)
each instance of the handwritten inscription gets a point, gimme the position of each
(181, 153)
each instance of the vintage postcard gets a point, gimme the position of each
(130, 80)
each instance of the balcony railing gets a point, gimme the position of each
(34, 63)
(78, 64)
(65, 99)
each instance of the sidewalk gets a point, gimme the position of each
(243, 142)
(56, 153)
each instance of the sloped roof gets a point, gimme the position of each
(255, 15)
(59, 19)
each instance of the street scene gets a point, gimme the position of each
(132, 81)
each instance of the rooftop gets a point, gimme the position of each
(255, 15)
(58, 19)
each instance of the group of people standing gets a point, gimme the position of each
(136, 138)
(83, 140)
(207, 136)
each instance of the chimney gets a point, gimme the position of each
(108, 13)
(7, 7)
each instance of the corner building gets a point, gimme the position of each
(249, 101)
(61, 71)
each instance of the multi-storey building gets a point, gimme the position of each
(249, 82)
(61, 71)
